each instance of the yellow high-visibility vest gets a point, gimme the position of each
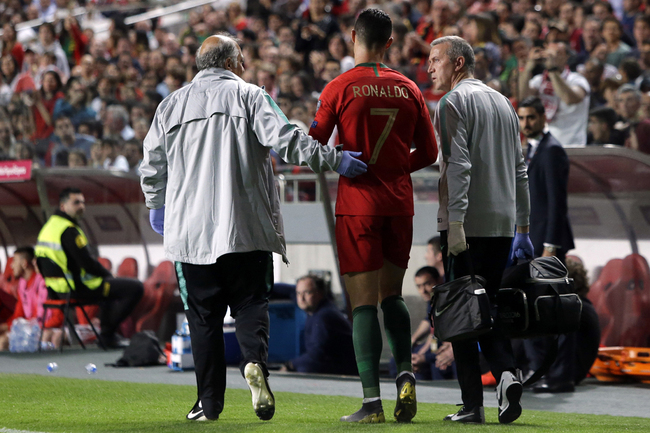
(49, 245)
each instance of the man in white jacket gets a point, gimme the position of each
(208, 180)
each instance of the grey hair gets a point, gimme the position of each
(118, 111)
(629, 88)
(458, 47)
(217, 56)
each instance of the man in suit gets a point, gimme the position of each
(550, 231)
(548, 176)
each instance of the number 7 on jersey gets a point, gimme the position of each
(392, 114)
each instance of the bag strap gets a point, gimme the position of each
(468, 261)
(549, 359)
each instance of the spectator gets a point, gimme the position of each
(328, 333)
(431, 359)
(637, 130)
(66, 140)
(338, 50)
(140, 129)
(565, 94)
(77, 159)
(641, 33)
(601, 127)
(42, 104)
(116, 125)
(617, 50)
(133, 154)
(31, 295)
(113, 160)
(75, 105)
(7, 140)
(11, 46)
(314, 31)
(593, 72)
(433, 255)
(47, 42)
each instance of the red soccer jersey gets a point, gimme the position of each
(380, 113)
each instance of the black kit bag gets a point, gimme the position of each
(460, 309)
(537, 300)
(143, 350)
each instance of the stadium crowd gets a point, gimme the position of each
(72, 98)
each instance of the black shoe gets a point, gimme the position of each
(114, 341)
(406, 406)
(474, 416)
(196, 414)
(370, 413)
(509, 393)
(263, 399)
(554, 387)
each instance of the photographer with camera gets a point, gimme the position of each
(565, 94)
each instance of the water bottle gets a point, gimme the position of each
(52, 366)
(47, 345)
(91, 368)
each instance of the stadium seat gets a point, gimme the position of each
(158, 291)
(8, 283)
(128, 268)
(621, 296)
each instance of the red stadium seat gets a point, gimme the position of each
(621, 297)
(158, 291)
(8, 283)
(609, 277)
(128, 268)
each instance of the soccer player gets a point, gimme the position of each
(379, 113)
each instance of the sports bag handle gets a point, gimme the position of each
(468, 261)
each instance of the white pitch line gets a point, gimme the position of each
(11, 430)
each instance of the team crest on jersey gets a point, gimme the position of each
(314, 124)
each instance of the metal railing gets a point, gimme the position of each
(305, 187)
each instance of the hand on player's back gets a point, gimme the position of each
(350, 166)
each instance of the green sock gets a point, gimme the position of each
(366, 335)
(397, 323)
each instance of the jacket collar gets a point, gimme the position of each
(541, 146)
(62, 214)
(216, 73)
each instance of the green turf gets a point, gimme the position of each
(53, 404)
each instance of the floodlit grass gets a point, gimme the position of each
(54, 404)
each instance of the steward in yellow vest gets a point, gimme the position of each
(62, 241)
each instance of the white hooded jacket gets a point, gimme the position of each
(206, 158)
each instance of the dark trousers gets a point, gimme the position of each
(563, 368)
(489, 257)
(243, 282)
(117, 298)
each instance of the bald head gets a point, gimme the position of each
(219, 51)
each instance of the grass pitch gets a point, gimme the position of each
(53, 404)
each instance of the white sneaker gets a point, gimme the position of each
(196, 414)
(509, 393)
(263, 400)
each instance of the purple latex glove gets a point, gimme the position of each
(522, 247)
(350, 166)
(157, 220)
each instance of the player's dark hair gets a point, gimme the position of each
(28, 252)
(65, 194)
(373, 27)
(534, 102)
(428, 270)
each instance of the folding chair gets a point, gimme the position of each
(49, 269)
